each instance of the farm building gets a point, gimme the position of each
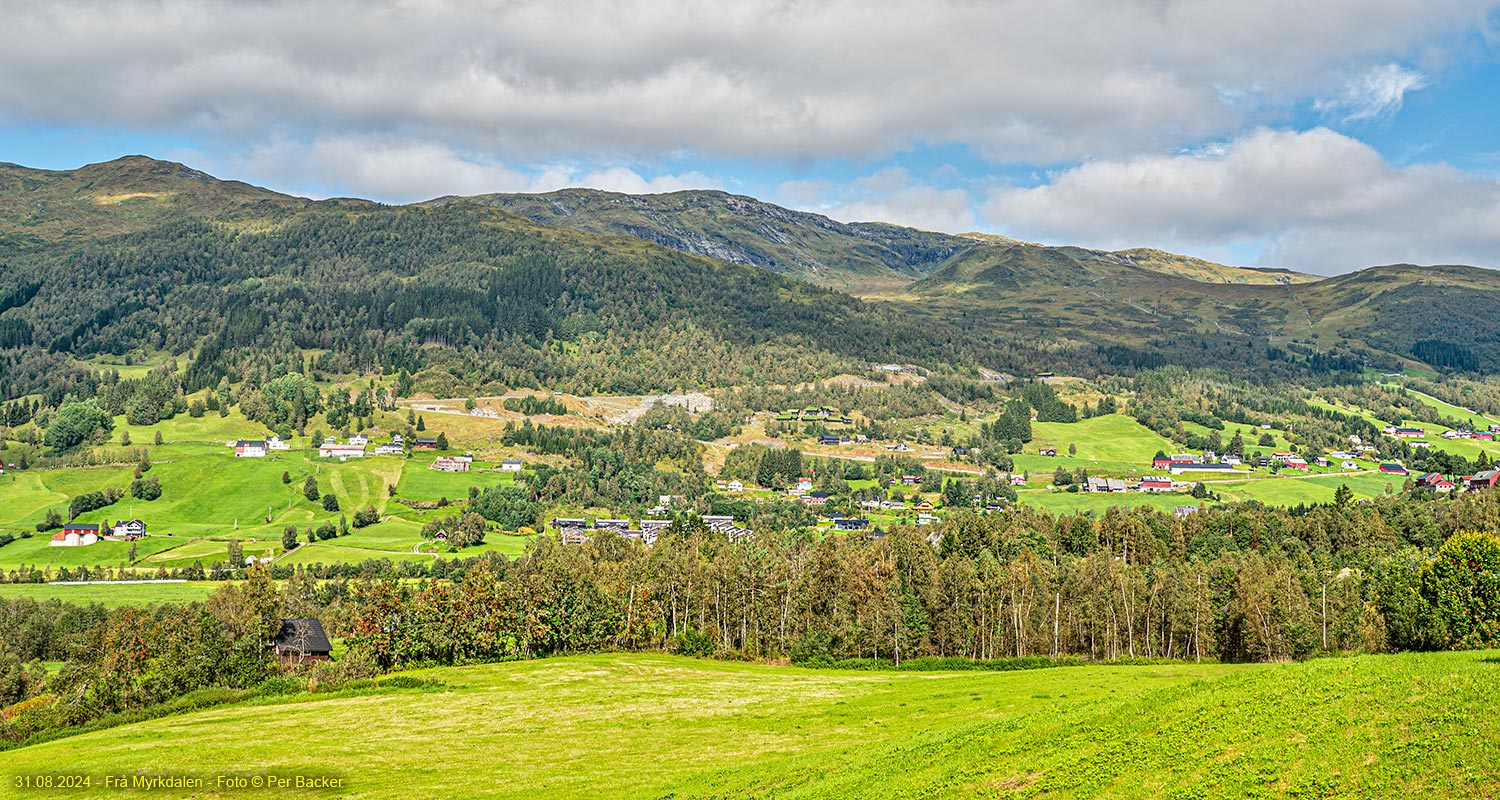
(424, 444)
(300, 641)
(1484, 480)
(1156, 483)
(389, 449)
(510, 465)
(75, 535)
(1436, 482)
(446, 464)
(341, 451)
(1394, 469)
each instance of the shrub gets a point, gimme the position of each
(330, 503)
(148, 488)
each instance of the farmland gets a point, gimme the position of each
(1370, 726)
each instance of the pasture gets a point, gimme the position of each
(648, 725)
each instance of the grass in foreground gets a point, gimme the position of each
(653, 725)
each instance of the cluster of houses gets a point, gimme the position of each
(826, 414)
(576, 530)
(354, 447)
(77, 534)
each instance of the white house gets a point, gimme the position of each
(277, 443)
(359, 439)
(247, 448)
(128, 529)
(510, 465)
(736, 486)
(389, 449)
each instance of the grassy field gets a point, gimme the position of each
(113, 594)
(647, 726)
(1111, 438)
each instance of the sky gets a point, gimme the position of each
(1323, 137)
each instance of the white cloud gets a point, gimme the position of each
(621, 80)
(889, 195)
(1316, 201)
(398, 170)
(1373, 95)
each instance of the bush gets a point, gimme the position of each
(1463, 584)
(330, 503)
(366, 516)
(148, 488)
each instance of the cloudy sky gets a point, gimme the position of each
(1322, 136)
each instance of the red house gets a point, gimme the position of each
(1484, 480)
(1394, 469)
(1161, 462)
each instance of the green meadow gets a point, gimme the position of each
(112, 595)
(649, 726)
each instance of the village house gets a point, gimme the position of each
(1487, 436)
(359, 439)
(1096, 484)
(250, 448)
(1017, 479)
(850, 524)
(1483, 480)
(1436, 482)
(924, 505)
(75, 534)
(829, 439)
(1184, 511)
(1156, 483)
(340, 451)
(300, 641)
(900, 447)
(1178, 469)
(1394, 469)
(389, 449)
(577, 535)
(1047, 451)
(568, 522)
(804, 484)
(735, 486)
(1409, 433)
(1349, 465)
(277, 443)
(1161, 462)
(424, 444)
(447, 464)
(128, 529)
(927, 519)
(612, 524)
(815, 498)
(510, 465)
(910, 480)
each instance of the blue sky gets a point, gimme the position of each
(1324, 138)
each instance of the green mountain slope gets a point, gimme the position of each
(142, 256)
(854, 258)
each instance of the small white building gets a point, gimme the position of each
(510, 465)
(389, 449)
(359, 439)
(277, 443)
(735, 486)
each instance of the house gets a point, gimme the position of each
(1485, 436)
(910, 480)
(1484, 480)
(1421, 444)
(1105, 485)
(75, 535)
(1294, 463)
(446, 464)
(898, 448)
(735, 486)
(510, 465)
(1047, 451)
(828, 438)
(129, 529)
(1184, 511)
(723, 485)
(568, 522)
(340, 451)
(804, 484)
(924, 505)
(1231, 460)
(1341, 454)
(1349, 465)
(927, 519)
(815, 498)
(1436, 482)
(1411, 433)
(574, 535)
(1181, 459)
(389, 449)
(1394, 469)
(1017, 479)
(277, 443)
(1156, 483)
(1161, 462)
(359, 439)
(424, 444)
(300, 641)
(250, 448)
(612, 524)
(850, 524)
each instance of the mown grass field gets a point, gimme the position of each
(112, 595)
(648, 726)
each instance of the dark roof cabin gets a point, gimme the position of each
(300, 641)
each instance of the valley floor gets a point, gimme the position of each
(641, 725)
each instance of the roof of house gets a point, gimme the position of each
(250, 443)
(302, 635)
(73, 526)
